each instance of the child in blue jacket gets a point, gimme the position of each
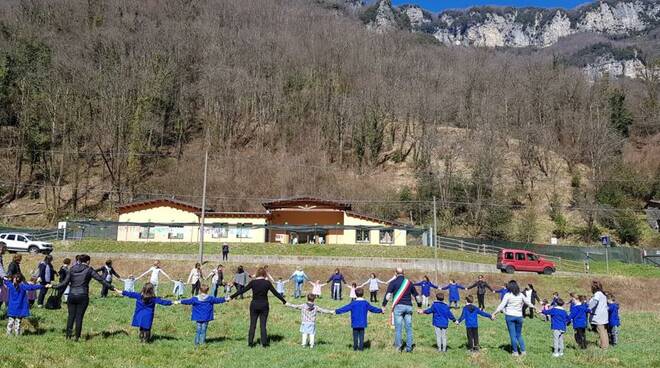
(18, 306)
(426, 286)
(502, 292)
(441, 316)
(145, 307)
(614, 322)
(454, 294)
(471, 316)
(578, 317)
(202, 311)
(359, 309)
(559, 319)
(555, 297)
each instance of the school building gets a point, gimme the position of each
(294, 221)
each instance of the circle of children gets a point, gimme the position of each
(600, 311)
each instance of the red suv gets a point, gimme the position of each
(511, 260)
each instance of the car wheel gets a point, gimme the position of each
(33, 250)
(548, 271)
(510, 269)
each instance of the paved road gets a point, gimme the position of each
(420, 264)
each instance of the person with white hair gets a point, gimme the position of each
(402, 292)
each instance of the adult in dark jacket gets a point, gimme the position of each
(225, 251)
(481, 286)
(46, 276)
(14, 266)
(335, 280)
(402, 292)
(64, 270)
(259, 306)
(107, 272)
(78, 280)
(533, 297)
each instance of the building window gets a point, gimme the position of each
(386, 236)
(175, 233)
(243, 230)
(220, 231)
(362, 235)
(146, 232)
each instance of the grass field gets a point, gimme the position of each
(110, 341)
(378, 251)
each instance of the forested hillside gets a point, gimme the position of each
(103, 102)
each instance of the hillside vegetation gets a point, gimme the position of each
(104, 102)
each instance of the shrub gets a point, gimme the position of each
(627, 227)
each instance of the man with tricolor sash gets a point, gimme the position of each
(402, 292)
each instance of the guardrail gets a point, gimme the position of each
(43, 235)
(462, 245)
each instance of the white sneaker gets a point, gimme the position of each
(515, 354)
(556, 355)
(561, 354)
(523, 353)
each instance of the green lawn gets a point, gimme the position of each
(113, 343)
(616, 268)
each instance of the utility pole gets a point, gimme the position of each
(435, 239)
(607, 259)
(201, 220)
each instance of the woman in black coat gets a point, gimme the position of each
(15, 266)
(77, 279)
(259, 307)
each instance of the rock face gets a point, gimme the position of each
(385, 18)
(419, 19)
(608, 65)
(510, 27)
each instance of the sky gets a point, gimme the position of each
(439, 5)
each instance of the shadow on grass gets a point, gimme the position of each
(367, 345)
(271, 339)
(37, 331)
(506, 347)
(163, 337)
(218, 339)
(105, 334)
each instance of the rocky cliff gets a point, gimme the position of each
(516, 27)
(510, 27)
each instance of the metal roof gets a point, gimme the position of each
(306, 202)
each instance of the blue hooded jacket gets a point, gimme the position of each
(426, 287)
(579, 315)
(18, 305)
(454, 294)
(613, 309)
(471, 316)
(202, 307)
(559, 319)
(441, 314)
(359, 309)
(502, 292)
(143, 317)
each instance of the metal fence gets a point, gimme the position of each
(38, 234)
(571, 257)
(462, 245)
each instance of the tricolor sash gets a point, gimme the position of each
(396, 298)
